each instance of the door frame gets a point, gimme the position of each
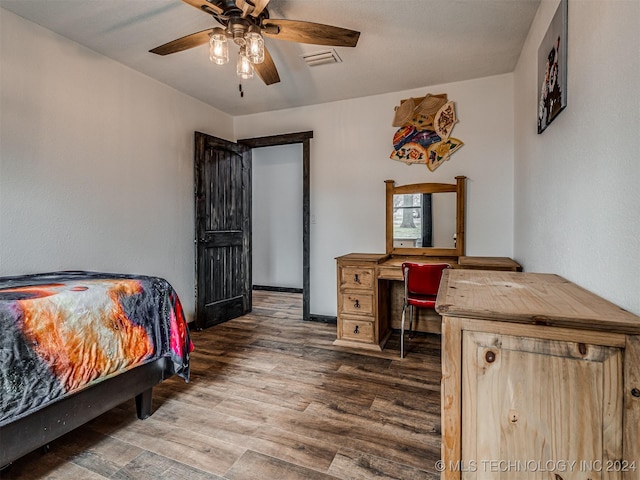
(288, 139)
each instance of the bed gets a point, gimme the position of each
(76, 344)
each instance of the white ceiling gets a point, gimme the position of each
(404, 44)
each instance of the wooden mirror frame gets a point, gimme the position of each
(458, 188)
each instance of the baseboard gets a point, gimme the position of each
(312, 317)
(277, 289)
(322, 318)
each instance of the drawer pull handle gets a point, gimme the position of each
(634, 391)
(582, 348)
(490, 357)
(356, 278)
(356, 330)
(356, 304)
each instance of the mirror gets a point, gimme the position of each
(426, 218)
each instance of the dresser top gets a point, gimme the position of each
(489, 263)
(531, 298)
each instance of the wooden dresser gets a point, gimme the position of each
(541, 379)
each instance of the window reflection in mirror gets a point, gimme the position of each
(424, 220)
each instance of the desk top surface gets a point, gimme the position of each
(532, 298)
(389, 266)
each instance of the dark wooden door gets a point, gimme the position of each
(223, 230)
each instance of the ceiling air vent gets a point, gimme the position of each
(321, 57)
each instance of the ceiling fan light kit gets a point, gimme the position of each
(255, 45)
(246, 23)
(244, 68)
(247, 37)
(218, 46)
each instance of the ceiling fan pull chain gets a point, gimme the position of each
(240, 90)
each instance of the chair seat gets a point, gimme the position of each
(422, 301)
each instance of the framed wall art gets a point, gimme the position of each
(552, 69)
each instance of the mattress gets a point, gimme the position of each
(63, 332)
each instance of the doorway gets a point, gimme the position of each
(223, 225)
(277, 218)
(302, 138)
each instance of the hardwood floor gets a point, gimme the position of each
(270, 397)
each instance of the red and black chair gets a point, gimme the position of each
(421, 282)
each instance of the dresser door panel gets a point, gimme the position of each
(532, 406)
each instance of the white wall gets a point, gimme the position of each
(350, 161)
(577, 185)
(277, 216)
(96, 162)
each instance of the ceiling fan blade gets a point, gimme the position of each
(309, 32)
(253, 7)
(245, 6)
(184, 43)
(205, 6)
(260, 5)
(267, 70)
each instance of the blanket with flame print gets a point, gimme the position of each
(61, 332)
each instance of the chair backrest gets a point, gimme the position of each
(423, 278)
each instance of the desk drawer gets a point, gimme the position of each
(391, 272)
(357, 278)
(357, 329)
(356, 303)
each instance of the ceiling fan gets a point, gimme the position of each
(246, 23)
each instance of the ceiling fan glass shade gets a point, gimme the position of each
(244, 68)
(255, 46)
(218, 47)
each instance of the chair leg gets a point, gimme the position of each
(411, 314)
(404, 309)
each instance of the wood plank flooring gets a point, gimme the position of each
(270, 397)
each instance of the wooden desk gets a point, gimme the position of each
(370, 294)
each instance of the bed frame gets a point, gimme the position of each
(61, 416)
